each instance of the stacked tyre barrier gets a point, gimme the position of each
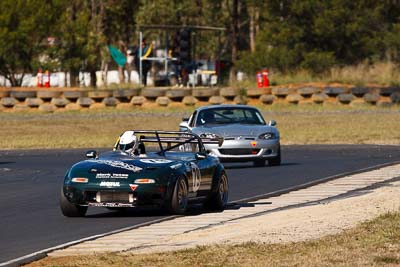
(51, 100)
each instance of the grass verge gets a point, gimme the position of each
(386, 73)
(374, 243)
(298, 125)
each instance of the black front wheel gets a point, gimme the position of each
(275, 161)
(71, 210)
(179, 199)
(219, 199)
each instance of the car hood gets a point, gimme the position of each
(233, 130)
(120, 163)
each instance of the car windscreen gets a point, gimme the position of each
(229, 115)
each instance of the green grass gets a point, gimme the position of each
(77, 129)
(382, 73)
(297, 124)
(374, 243)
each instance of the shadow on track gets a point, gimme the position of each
(128, 212)
(7, 162)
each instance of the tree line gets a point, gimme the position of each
(285, 35)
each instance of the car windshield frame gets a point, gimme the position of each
(221, 116)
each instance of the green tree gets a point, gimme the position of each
(72, 31)
(391, 12)
(82, 45)
(24, 28)
(183, 13)
(86, 28)
(286, 35)
(119, 26)
(316, 35)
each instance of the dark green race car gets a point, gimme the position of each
(147, 168)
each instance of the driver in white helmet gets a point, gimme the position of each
(128, 143)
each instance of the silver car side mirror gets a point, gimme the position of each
(183, 126)
(272, 123)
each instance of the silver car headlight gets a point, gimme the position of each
(209, 135)
(267, 136)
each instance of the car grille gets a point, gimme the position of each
(122, 197)
(239, 151)
(237, 138)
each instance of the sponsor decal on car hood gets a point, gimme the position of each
(112, 175)
(115, 166)
(110, 184)
(118, 164)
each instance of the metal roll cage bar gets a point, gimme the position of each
(180, 139)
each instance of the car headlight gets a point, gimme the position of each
(145, 181)
(209, 135)
(267, 136)
(80, 180)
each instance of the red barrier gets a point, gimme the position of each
(265, 78)
(259, 79)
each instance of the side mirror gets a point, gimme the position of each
(92, 154)
(272, 123)
(185, 119)
(200, 156)
(184, 126)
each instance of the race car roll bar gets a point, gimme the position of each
(179, 139)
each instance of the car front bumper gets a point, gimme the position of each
(245, 150)
(113, 198)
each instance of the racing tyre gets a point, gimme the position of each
(179, 199)
(71, 210)
(219, 199)
(276, 161)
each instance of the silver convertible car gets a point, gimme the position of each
(247, 137)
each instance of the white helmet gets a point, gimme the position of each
(128, 141)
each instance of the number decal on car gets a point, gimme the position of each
(196, 176)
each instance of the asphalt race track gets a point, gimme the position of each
(30, 182)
